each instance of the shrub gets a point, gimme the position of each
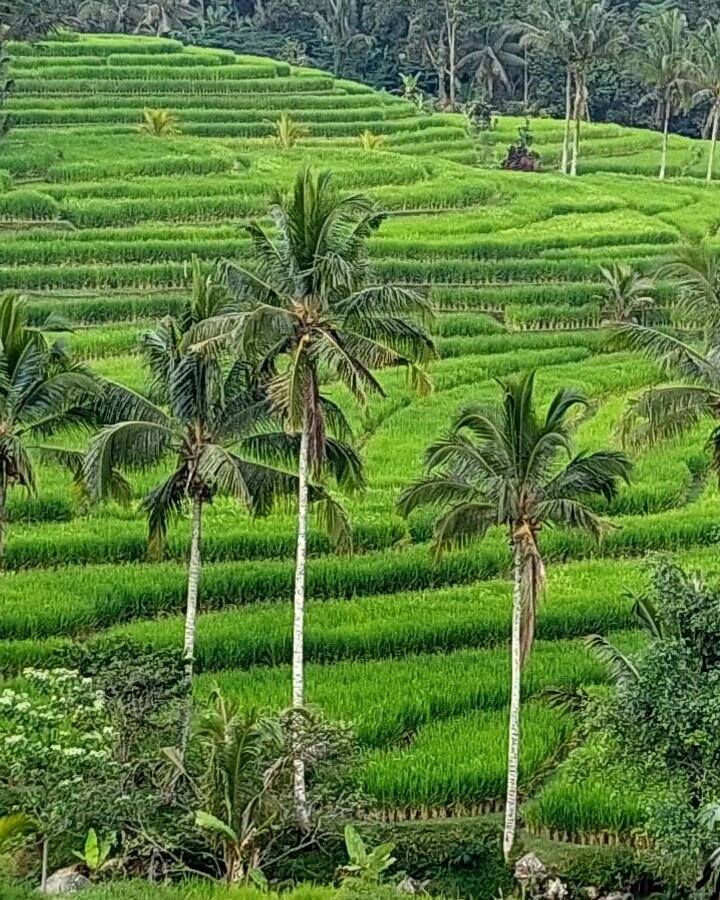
(459, 858)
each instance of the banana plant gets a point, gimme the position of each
(368, 865)
(96, 852)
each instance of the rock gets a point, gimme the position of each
(592, 893)
(618, 895)
(555, 890)
(529, 868)
(413, 886)
(66, 881)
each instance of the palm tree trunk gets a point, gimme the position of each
(566, 132)
(713, 142)
(511, 802)
(666, 129)
(452, 47)
(44, 866)
(526, 81)
(577, 114)
(3, 523)
(298, 655)
(194, 571)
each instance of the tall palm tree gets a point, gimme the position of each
(663, 63)
(581, 33)
(669, 411)
(506, 465)
(626, 295)
(217, 422)
(705, 79)
(599, 32)
(548, 28)
(310, 312)
(42, 393)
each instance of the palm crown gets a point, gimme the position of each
(503, 465)
(308, 305)
(217, 423)
(668, 411)
(42, 392)
(627, 293)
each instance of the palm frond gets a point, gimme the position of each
(46, 397)
(218, 472)
(646, 615)
(385, 300)
(351, 358)
(191, 387)
(131, 445)
(404, 340)
(160, 350)
(663, 413)
(569, 513)
(162, 505)
(15, 457)
(590, 474)
(118, 403)
(622, 669)
(436, 490)
(335, 521)
(342, 462)
(532, 585)
(561, 404)
(461, 525)
(676, 356)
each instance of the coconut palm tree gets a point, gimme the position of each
(626, 293)
(548, 28)
(158, 123)
(600, 30)
(705, 79)
(668, 411)
(218, 421)
(310, 312)
(507, 465)
(42, 393)
(695, 269)
(663, 63)
(581, 33)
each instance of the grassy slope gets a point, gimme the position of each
(100, 223)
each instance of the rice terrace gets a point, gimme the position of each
(342, 426)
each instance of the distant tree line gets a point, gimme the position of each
(498, 51)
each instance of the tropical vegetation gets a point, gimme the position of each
(254, 634)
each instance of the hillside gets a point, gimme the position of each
(100, 223)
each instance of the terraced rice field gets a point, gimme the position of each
(100, 223)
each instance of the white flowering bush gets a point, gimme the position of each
(56, 750)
